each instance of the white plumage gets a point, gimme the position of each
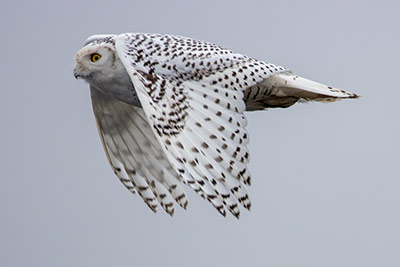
(170, 110)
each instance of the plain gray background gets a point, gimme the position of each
(325, 176)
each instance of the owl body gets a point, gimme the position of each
(170, 111)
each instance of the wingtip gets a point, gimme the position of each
(248, 207)
(171, 212)
(154, 208)
(184, 205)
(221, 211)
(236, 215)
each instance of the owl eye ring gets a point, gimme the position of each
(95, 57)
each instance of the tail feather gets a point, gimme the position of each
(290, 85)
(285, 89)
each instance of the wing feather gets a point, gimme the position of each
(135, 154)
(133, 157)
(156, 167)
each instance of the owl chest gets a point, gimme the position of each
(126, 93)
(120, 87)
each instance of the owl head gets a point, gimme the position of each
(94, 61)
(97, 59)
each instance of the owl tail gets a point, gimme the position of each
(285, 89)
(291, 85)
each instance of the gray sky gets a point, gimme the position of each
(325, 176)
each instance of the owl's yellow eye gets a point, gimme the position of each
(94, 57)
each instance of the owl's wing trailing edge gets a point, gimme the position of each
(134, 153)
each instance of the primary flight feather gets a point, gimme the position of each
(170, 111)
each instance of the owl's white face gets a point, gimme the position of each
(100, 66)
(95, 63)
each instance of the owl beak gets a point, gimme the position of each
(77, 73)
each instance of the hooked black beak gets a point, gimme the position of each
(76, 75)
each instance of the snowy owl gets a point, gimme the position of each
(170, 111)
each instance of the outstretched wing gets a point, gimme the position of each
(192, 95)
(135, 154)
